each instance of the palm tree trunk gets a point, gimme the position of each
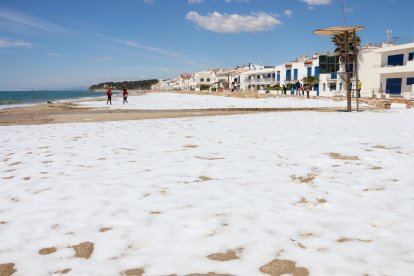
(348, 79)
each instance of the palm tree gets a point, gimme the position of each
(339, 40)
(310, 82)
(347, 48)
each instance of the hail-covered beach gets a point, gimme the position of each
(304, 192)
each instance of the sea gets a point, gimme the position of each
(24, 98)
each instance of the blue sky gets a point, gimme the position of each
(61, 44)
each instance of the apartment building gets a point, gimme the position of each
(385, 70)
(204, 78)
(259, 78)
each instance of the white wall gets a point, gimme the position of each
(367, 62)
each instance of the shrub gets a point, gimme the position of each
(204, 87)
(274, 87)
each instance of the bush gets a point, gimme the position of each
(274, 87)
(213, 89)
(204, 87)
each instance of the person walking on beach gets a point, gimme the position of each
(109, 94)
(284, 89)
(359, 88)
(125, 95)
(297, 88)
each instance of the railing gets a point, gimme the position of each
(378, 93)
(385, 65)
(263, 80)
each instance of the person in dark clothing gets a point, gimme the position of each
(125, 95)
(297, 88)
(109, 95)
(284, 89)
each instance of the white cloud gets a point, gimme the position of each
(102, 59)
(8, 43)
(234, 23)
(54, 54)
(29, 21)
(317, 2)
(148, 48)
(240, 1)
(195, 1)
(137, 45)
(162, 53)
(288, 13)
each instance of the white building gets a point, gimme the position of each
(383, 69)
(387, 70)
(291, 73)
(204, 79)
(259, 78)
(185, 82)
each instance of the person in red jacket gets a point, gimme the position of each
(109, 94)
(125, 95)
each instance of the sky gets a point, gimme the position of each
(60, 44)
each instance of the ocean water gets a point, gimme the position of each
(21, 98)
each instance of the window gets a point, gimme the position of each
(309, 71)
(208, 80)
(340, 86)
(268, 75)
(333, 76)
(288, 75)
(201, 79)
(278, 75)
(410, 81)
(396, 60)
(317, 72)
(324, 87)
(295, 74)
(393, 86)
(410, 56)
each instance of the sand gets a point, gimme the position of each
(71, 112)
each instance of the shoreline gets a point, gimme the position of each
(70, 112)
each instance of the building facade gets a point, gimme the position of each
(385, 70)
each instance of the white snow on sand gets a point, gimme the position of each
(189, 101)
(332, 192)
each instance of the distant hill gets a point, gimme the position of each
(130, 85)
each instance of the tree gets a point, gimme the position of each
(310, 82)
(339, 40)
(130, 85)
(347, 44)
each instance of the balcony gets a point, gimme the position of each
(260, 81)
(391, 69)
